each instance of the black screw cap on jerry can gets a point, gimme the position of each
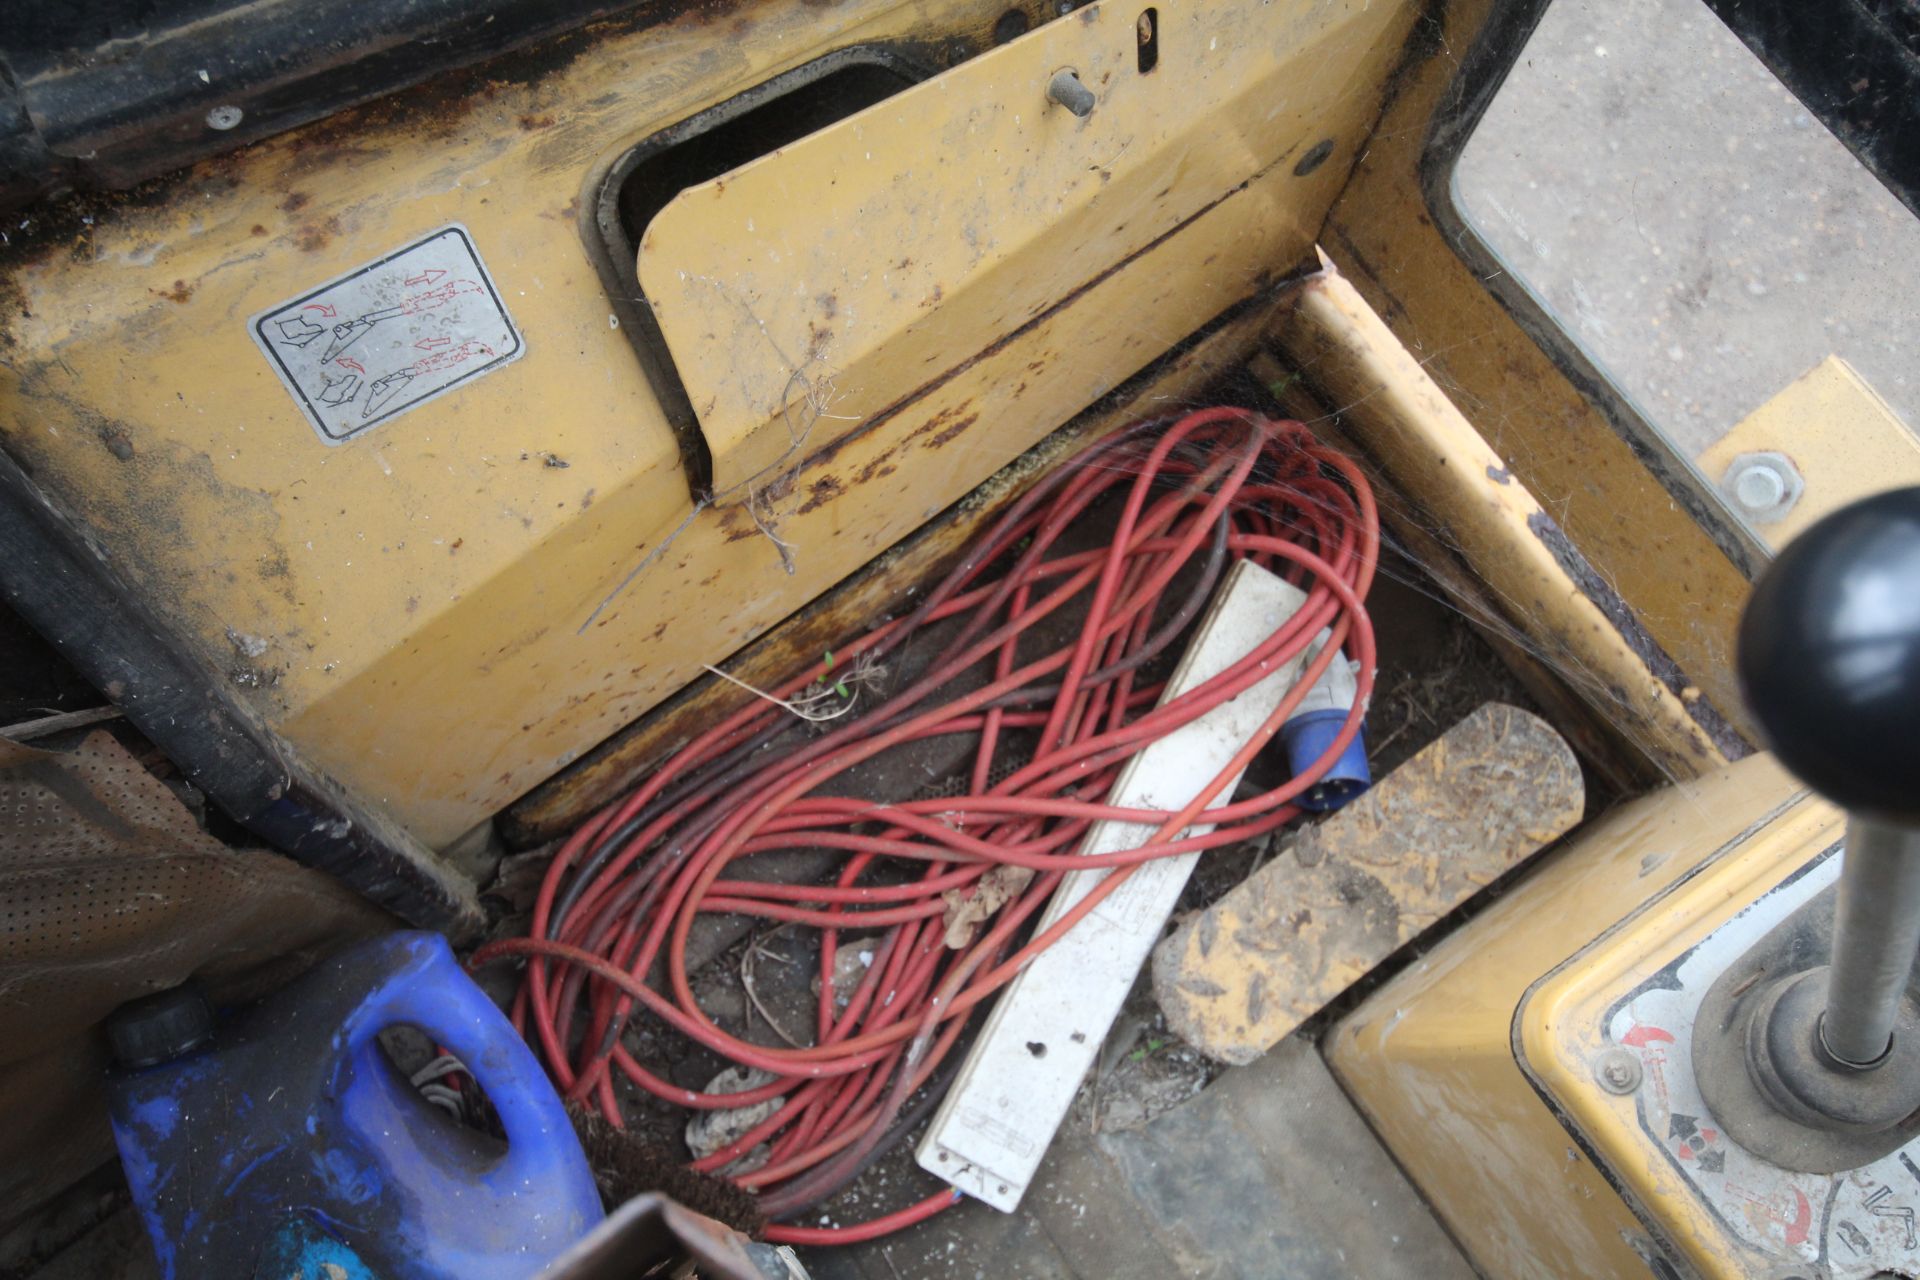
(159, 1028)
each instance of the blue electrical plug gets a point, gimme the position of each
(1309, 733)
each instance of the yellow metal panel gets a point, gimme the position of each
(1845, 441)
(1397, 413)
(1562, 1025)
(867, 259)
(1430, 1056)
(407, 608)
(844, 508)
(884, 585)
(1684, 589)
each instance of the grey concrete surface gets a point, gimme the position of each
(1268, 1173)
(1705, 238)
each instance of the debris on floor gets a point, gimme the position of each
(1240, 975)
(1051, 679)
(773, 982)
(1268, 1172)
(1044, 1032)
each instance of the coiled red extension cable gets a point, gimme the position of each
(625, 888)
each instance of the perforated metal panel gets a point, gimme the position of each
(108, 890)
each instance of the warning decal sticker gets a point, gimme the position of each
(390, 336)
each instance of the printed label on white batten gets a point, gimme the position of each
(390, 336)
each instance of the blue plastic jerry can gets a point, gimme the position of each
(284, 1143)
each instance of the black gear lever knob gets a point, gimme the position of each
(1819, 1068)
(1830, 657)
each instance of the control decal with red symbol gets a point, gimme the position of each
(1851, 1226)
(389, 336)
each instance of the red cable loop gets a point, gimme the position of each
(625, 888)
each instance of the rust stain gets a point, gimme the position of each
(876, 468)
(530, 123)
(953, 431)
(937, 423)
(180, 292)
(1724, 737)
(1258, 285)
(258, 230)
(821, 492)
(436, 109)
(312, 237)
(780, 486)
(880, 587)
(116, 441)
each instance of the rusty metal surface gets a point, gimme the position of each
(396, 608)
(878, 589)
(1606, 747)
(854, 265)
(1553, 595)
(1236, 978)
(432, 612)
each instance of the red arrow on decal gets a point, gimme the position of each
(428, 344)
(426, 277)
(349, 362)
(323, 308)
(1642, 1036)
(1802, 1218)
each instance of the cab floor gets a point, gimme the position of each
(1269, 1172)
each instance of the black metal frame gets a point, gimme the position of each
(615, 252)
(108, 93)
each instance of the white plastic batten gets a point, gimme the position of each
(995, 1125)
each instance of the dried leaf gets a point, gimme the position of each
(966, 912)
